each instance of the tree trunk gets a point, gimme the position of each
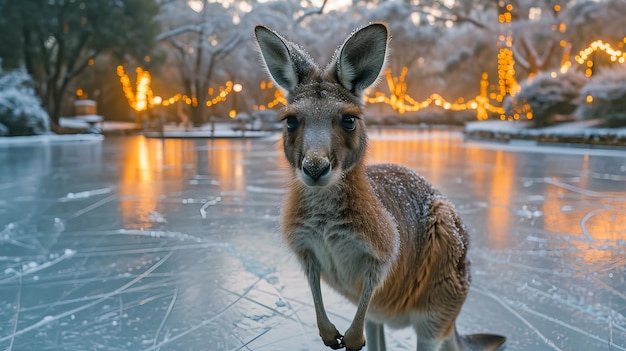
(197, 117)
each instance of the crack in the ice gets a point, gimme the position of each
(105, 317)
(30, 270)
(49, 319)
(208, 204)
(492, 258)
(153, 234)
(165, 317)
(204, 322)
(581, 191)
(245, 344)
(569, 326)
(598, 312)
(92, 207)
(610, 288)
(518, 316)
(108, 251)
(85, 194)
(258, 303)
(584, 220)
(18, 305)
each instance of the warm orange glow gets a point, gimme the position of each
(501, 191)
(584, 56)
(142, 99)
(278, 97)
(402, 102)
(493, 185)
(168, 162)
(593, 229)
(394, 146)
(226, 164)
(150, 169)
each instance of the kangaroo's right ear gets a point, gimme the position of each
(287, 64)
(359, 61)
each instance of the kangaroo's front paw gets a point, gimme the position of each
(331, 337)
(353, 340)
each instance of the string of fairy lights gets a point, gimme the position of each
(142, 98)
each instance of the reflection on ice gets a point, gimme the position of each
(146, 244)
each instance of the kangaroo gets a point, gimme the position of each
(380, 235)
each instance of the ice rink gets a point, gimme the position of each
(147, 244)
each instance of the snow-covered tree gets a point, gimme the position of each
(56, 40)
(211, 42)
(587, 21)
(21, 112)
(604, 96)
(446, 45)
(546, 95)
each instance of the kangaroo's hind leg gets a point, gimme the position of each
(375, 336)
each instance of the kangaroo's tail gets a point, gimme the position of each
(474, 342)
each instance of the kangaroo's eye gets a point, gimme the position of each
(292, 123)
(348, 122)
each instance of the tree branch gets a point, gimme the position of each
(310, 12)
(453, 17)
(190, 28)
(519, 58)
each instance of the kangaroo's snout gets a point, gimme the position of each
(316, 170)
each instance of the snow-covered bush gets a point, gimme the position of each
(604, 96)
(21, 112)
(546, 95)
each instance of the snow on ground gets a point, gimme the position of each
(49, 139)
(585, 129)
(581, 132)
(217, 130)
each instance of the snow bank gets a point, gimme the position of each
(21, 112)
(50, 139)
(580, 132)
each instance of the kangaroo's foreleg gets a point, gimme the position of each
(327, 330)
(354, 339)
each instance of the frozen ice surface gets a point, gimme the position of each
(146, 244)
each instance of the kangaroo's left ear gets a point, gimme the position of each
(359, 61)
(287, 64)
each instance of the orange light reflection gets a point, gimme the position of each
(596, 224)
(146, 166)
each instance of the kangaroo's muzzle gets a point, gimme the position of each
(316, 170)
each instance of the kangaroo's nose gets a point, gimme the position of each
(316, 167)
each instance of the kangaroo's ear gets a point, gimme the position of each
(287, 64)
(359, 61)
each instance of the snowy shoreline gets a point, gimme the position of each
(50, 138)
(579, 134)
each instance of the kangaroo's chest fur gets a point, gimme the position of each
(350, 229)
